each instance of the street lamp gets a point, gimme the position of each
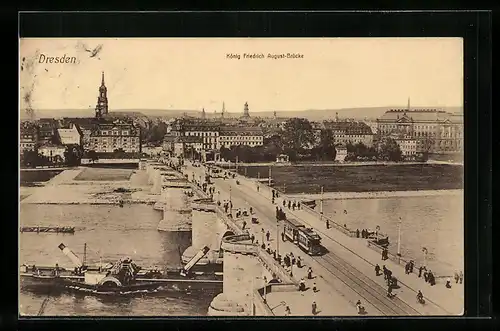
(424, 250)
(399, 237)
(277, 238)
(321, 205)
(230, 201)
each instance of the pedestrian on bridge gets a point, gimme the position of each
(461, 276)
(293, 205)
(252, 238)
(289, 204)
(455, 276)
(377, 270)
(357, 233)
(268, 235)
(309, 273)
(244, 225)
(314, 308)
(284, 203)
(298, 205)
(283, 236)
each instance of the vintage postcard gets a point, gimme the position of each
(241, 177)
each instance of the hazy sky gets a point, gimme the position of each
(195, 73)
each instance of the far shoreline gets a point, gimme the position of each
(375, 194)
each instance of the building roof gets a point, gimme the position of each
(419, 115)
(183, 139)
(240, 131)
(348, 127)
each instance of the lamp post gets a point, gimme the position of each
(236, 163)
(399, 238)
(269, 179)
(277, 237)
(424, 250)
(230, 201)
(321, 205)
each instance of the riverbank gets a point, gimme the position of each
(107, 187)
(373, 195)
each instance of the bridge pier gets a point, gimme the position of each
(243, 274)
(176, 210)
(207, 230)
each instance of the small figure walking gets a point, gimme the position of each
(287, 311)
(309, 273)
(455, 276)
(461, 277)
(298, 205)
(377, 270)
(314, 308)
(314, 288)
(244, 225)
(283, 236)
(268, 235)
(448, 283)
(252, 238)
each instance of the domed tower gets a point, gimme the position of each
(246, 113)
(101, 108)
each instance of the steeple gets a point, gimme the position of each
(223, 109)
(336, 117)
(408, 108)
(101, 108)
(246, 113)
(203, 114)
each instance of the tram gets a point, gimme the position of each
(291, 229)
(305, 238)
(310, 241)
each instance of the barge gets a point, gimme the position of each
(120, 278)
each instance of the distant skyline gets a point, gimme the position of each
(196, 73)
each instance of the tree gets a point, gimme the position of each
(390, 151)
(72, 156)
(298, 134)
(30, 158)
(326, 147)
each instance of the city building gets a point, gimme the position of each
(47, 130)
(435, 131)
(208, 131)
(350, 132)
(54, 153)
(28, 137)
(237, 135)
(109, 137)
(407, 145)
(341, 153)
(178, 145)
(70, 136)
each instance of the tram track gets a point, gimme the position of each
(366, 288)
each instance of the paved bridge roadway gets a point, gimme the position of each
(333, 266)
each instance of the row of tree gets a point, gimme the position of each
(72, 157)
(300, 143)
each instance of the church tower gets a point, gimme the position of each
(101, 108)
(203, 114)
(246, 113)
(223, 109)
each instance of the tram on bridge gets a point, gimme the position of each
(308, 240)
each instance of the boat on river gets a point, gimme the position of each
(119, 278)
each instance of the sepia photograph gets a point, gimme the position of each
(255, 177)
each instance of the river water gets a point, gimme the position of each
(113, 233)
(433, 222)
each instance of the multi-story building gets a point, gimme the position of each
(345, 132)
(177, 145)
(28, 137)
(70, 136)
(407, 145)
(236, 136)
(117, 135)
(435, 131)
(208, 131)
(54, 153)
(47, 130)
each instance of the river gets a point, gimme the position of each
(111, 232)
(433, 222)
